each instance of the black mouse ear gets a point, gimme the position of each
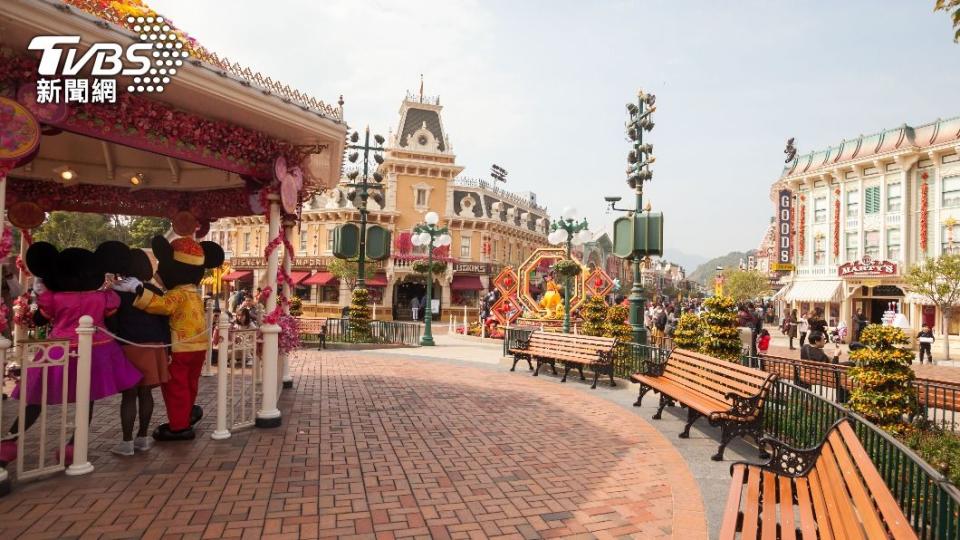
(140, 266)
(113, 256)
(41, 259)
(213, 255)
(161, 248)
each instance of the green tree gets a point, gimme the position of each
(77, 229)
(345, 270)
(938, 280)
(952, 8)
(743, 285)
(143, 229)
(883, 392)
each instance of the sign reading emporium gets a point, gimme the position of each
(867, 267)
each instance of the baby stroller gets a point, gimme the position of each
(839, 334)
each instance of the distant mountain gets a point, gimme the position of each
(706, 271)
(686, 260)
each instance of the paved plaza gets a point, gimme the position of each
(380, 444)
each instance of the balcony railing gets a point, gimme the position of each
(480, 183)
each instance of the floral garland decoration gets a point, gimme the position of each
(802, 233)
(22, 314)
(6, 242)
(836, 224)
(289, 339)
(923, 212)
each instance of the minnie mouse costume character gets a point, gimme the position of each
(71, 288)
(181, 267)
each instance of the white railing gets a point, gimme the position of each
(893, 219)
(853, 223)
(36, 360)
(817, 271)
(208, 359)
(239, 379)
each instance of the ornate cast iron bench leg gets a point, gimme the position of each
(516, 358)
(612, 383)
(643, 390)
(596, 375)
(566, 369)
(728, 431)
(580, 368)
(664, 401)
(536, 372)
(692, 416)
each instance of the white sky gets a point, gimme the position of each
(539, 87)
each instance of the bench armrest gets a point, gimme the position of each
(605, 358)
(786, 460)
(751, 405)
(522, 344)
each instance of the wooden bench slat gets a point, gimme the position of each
(845, 524)
(717, 361)
(769, 513)
(753, 505)
(698, 401)
(726, 378)
(822, 519)
(732, 511)
(729, 370)
(893, 515)
(704, 378)
(788, 528)
(808, 524)
(858, 491)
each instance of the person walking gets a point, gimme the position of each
(925, 339)
(859, 323)
(803, 327)
(415, 307)
(790, 327)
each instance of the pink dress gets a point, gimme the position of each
(110, 372)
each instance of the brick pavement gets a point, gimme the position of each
(380, 447)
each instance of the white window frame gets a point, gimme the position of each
(872, 250)
(820, 209)
(853, 248)
(466, 246)
(894, 249)
(328, 248)
(426, 189)
(895, 197)
(950, 198)
(853, 204)
(304, 239)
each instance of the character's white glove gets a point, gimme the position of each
(128, 284)
(38, 286)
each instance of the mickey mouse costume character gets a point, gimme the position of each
(181, 266)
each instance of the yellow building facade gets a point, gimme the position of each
(490, 227)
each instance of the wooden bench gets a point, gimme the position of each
(571, 350)
(728, 394)
(309, 330)
(830, 491)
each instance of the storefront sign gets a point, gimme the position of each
(248, 262)
(472, 268)
(867, 267)
(784, 222)
(298, 262)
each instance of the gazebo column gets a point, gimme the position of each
(287, 293)
(4, 342)
(269, 414)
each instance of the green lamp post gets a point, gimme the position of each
(362, 190)
(640, 234)
(430, 235)
(567, 230)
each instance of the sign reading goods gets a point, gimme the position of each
(867, 267)
(784, 223)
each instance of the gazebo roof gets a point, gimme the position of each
(205, 144)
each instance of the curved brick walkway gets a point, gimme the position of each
(389, 447)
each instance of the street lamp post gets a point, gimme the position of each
(363, 188)
(567, 230)
(638, 171)
(429, 235)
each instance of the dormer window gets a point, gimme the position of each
(421, 196)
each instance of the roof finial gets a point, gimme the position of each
(421, 88)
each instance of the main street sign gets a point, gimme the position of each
(784, 224)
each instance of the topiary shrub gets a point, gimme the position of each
(593, 311)
(360, 316)
(721, 338)
(883, 393)
(688, 332)
(616, 326)
(296, 306)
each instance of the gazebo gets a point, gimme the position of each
(217, 140)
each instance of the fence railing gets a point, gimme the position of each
(938, 401)
(801, 418)
(338, 331)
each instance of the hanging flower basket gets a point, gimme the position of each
(567, 268)
(422, 267)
